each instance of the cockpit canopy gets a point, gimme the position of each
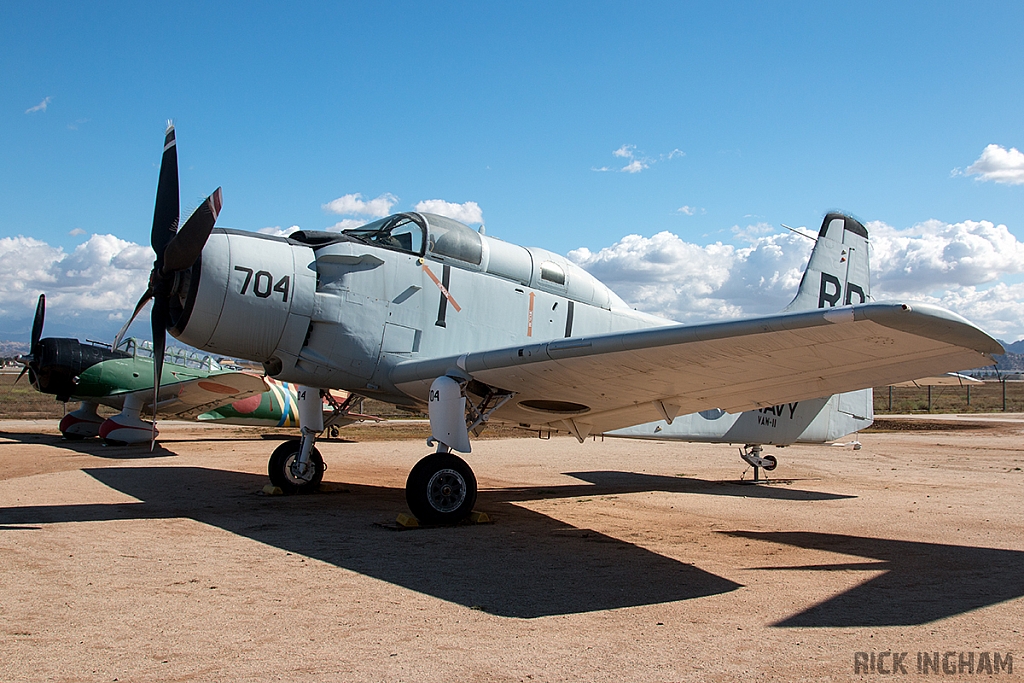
(409, 232)
(447, 240)
(143, 348)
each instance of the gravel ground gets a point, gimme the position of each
(609, 561)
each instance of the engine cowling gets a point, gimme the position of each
(248, 296)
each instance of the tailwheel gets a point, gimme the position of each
(751, 454)
(441, 489)
(288, 473)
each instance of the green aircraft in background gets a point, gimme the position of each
(192, 387)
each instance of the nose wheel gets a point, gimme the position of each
(441, 489)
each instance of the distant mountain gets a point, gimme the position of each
(1015, 347)
(1010, 362)
(10, 349)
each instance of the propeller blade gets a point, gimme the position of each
(186, 246)
(146, 296)
(165, 215)
(37, 324)
(22, 373)
(159, 320)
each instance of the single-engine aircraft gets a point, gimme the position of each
(420, 310)
(192, 387)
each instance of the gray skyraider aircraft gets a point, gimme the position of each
(420, 310)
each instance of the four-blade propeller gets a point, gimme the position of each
(176, 251)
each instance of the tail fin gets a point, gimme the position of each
(837, 273)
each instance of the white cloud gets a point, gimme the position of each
(688, 210)
(355, 205)
(960, 266)
(933, 255)
(468, 212)
(999, 165)
(752, 232)
(667, 276)
(101, 279)
(278, 231)
(638, 162)
(76, 232)
(39, 107)
(346, 224)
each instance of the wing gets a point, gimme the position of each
(192, 397)
(594, 384)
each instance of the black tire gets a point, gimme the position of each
(772, 463)
(281, 474)
(441, 489)
(67, 436)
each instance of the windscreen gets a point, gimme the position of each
(401, 232)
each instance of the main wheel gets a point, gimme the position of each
(284, 469)
(441, 489)
(772, 463)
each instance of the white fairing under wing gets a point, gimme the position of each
(818, 420)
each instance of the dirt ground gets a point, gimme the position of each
(609, 561)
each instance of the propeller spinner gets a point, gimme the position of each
(176, 251)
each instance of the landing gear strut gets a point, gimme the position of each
(441, 488)
(751, 454)
(297, 466)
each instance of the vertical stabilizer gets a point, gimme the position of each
(837, 273)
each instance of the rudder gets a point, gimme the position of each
(838, 272)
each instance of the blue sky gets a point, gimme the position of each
(734, 118)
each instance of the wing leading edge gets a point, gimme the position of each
(605, 382)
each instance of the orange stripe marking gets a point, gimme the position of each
(444, 291)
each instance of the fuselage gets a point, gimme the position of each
(343, 310)
(73, 370)
(817, 420)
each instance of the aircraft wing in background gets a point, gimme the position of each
(193, 397)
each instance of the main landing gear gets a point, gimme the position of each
(296, 466)
(441, 488)
(751, 454)
(292, 473)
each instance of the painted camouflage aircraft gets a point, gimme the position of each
(193, 387)
(420, 310)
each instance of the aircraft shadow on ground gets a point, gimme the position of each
(92, 446)
(922, 582)
(531, 565)
(611, 482)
